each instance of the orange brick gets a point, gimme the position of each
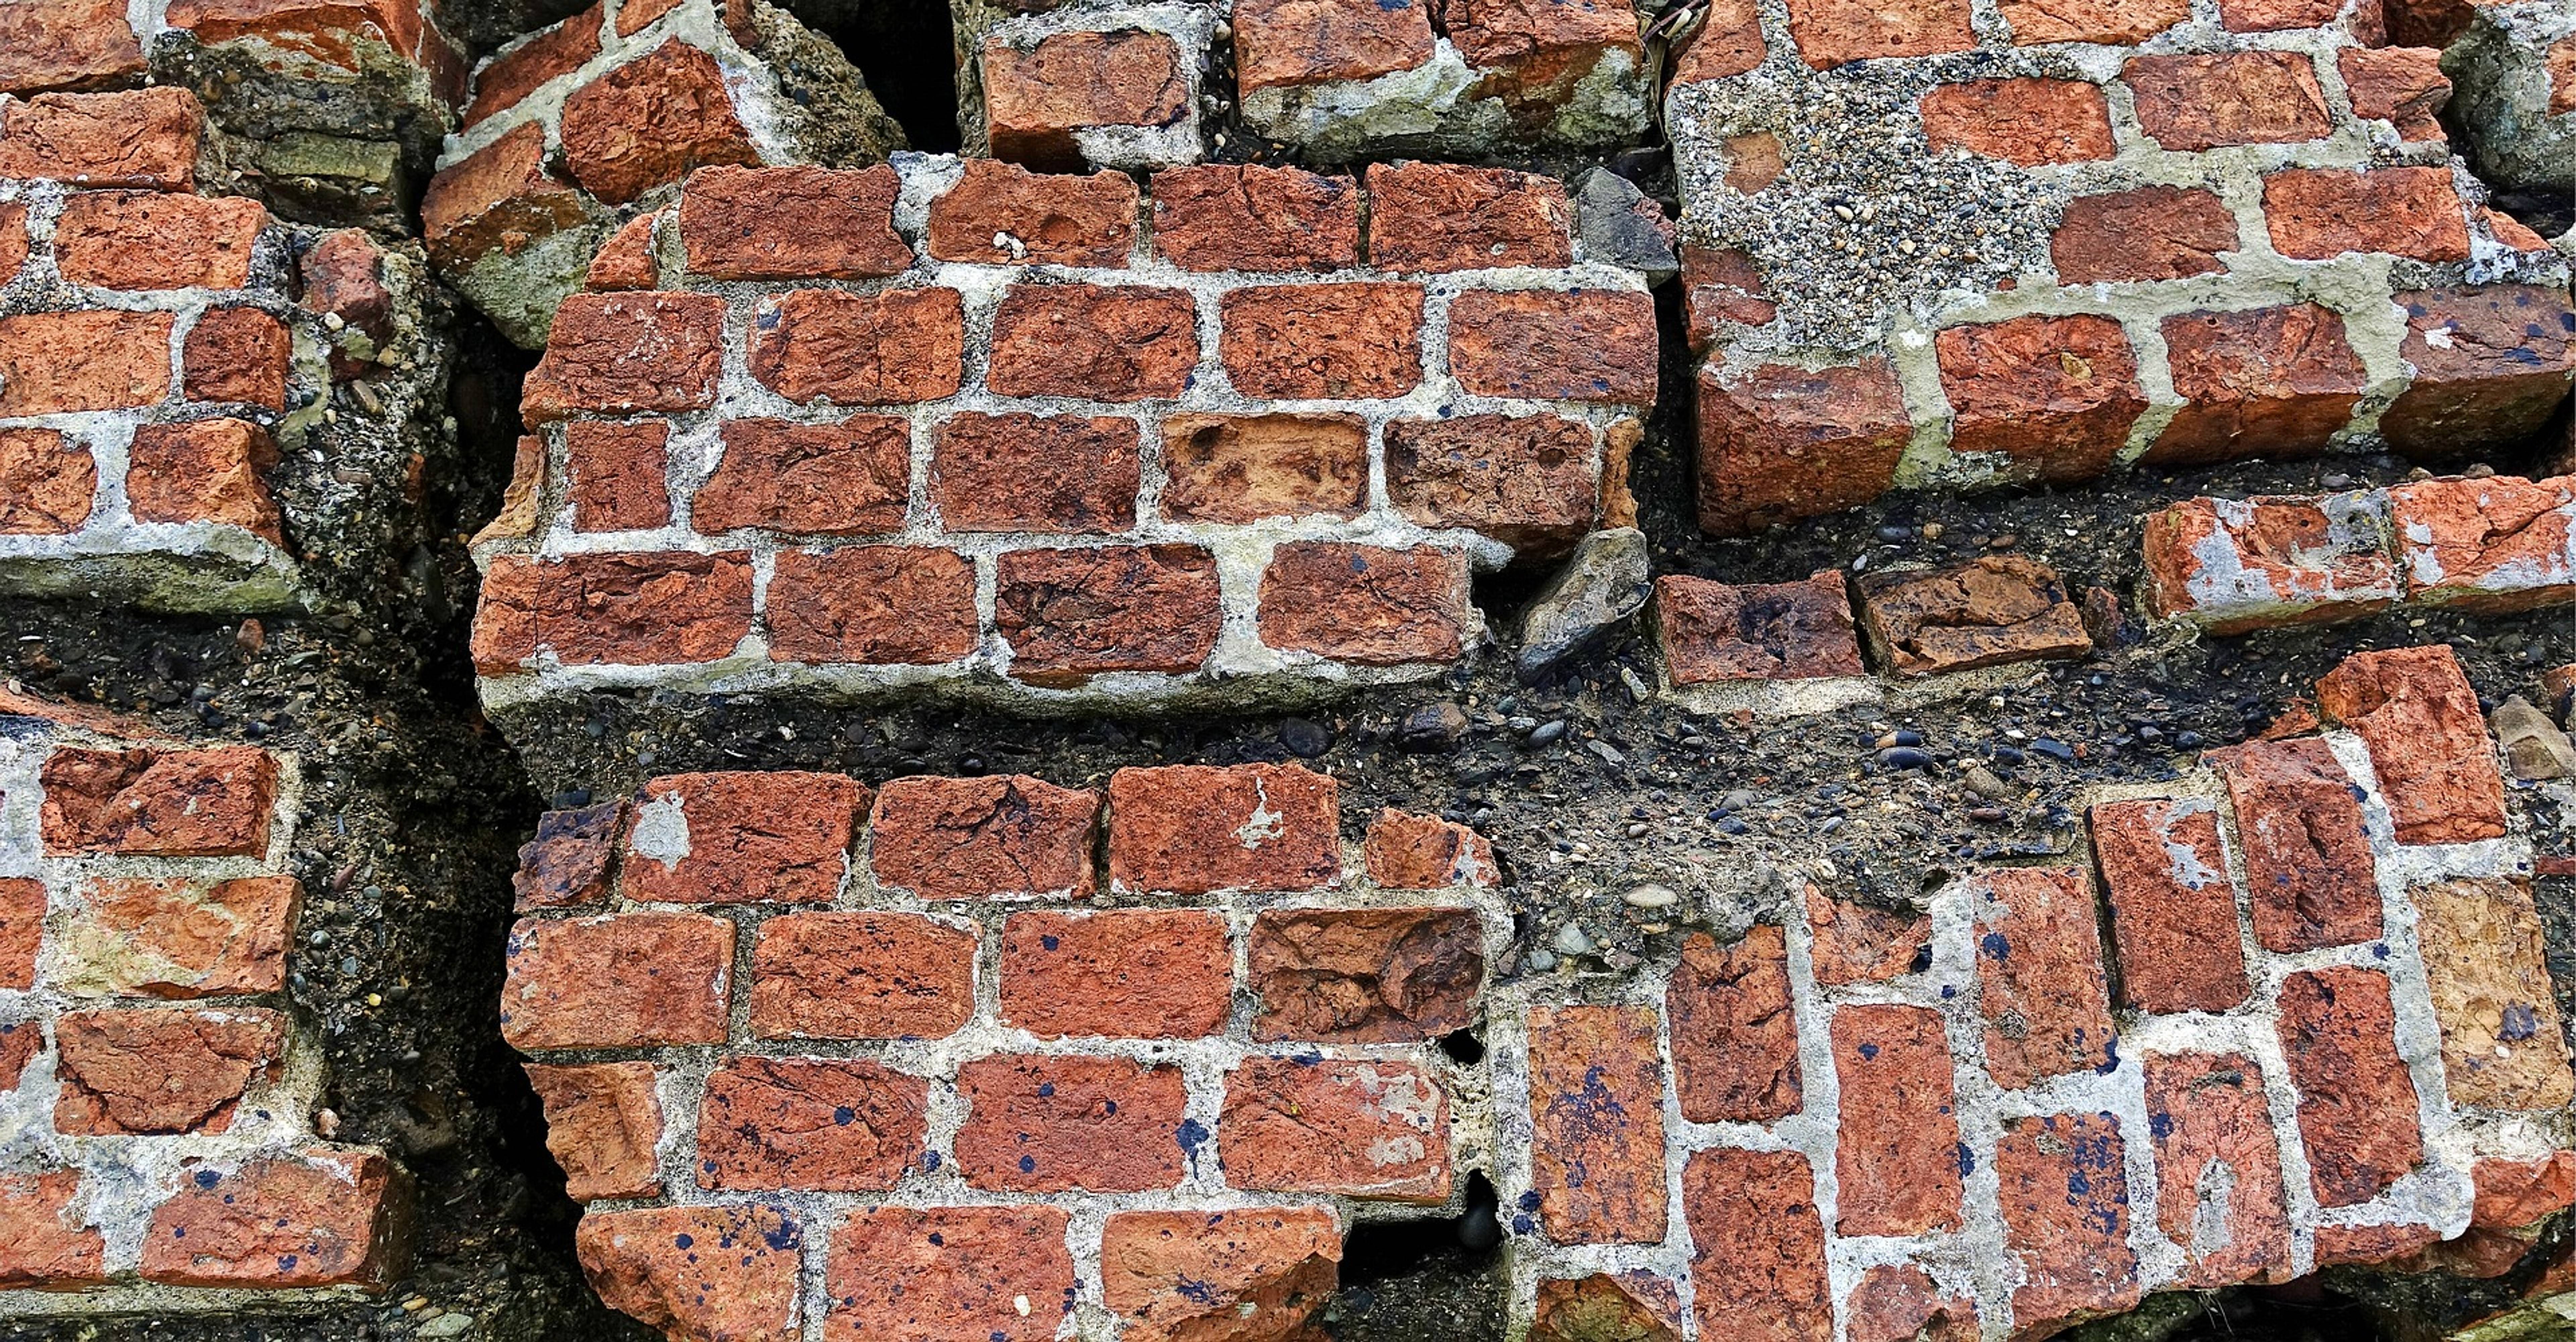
(61, 362)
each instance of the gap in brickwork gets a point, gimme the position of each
(906, 49)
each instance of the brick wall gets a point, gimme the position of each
(1210, 438)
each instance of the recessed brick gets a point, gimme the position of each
(173, 937)
(2491, 363)
(2152, 233)
(55, 363)
(1053, 1124)
(2192, 103)
(236, 354)
(2024, 121)
(792, 223)
(2276, 381)
(1094, 342)
(1317, 341)
(1052, 473)
(521, 70)
(1735, 1038)
(1000, 836)
(861, 976)
(1254, 1272)
(2232, 565)
(616, 475)
(2308, 866)
(2484, 964)
(827, 1124)
(1526, 480)
(1834, 32)
(889, 348)
(66, 44)
(872, 604)
(2316, 214)
(729, 838)
(46, 1238)
(2173, 909)
(1225, 216)
(623, 353)
(1778, 443)
(1137, 973)
(1244, 468)
(1632, 1306)
(849, 478)
(612, 608)
(1376, 1130)
(208, 470)
(307, 1218)
(1990, 611)
(1036, 99)
(1070, 614)
(142, 138)
(2415, 710)
(159, 803)
(1852, 942)
(1897, 1156)
(2040, 978)
(157, 240)
(2356, 1100)
(2495, 544)
(47, 483)
(2403, 86)
(1714, 632)
(621, 981)
(1422, 852)
(1757, 1246)
(2218, 1168)
(1003, 214)
(927, 1274)
(650, 122)
(1901, 1303)
(1597, 1124)
(2056, 394)
(1195, 829)
(603, 1123)
(2065, 1201)
(2119, 22)
(1439, 217)
(1366, 604)
(725, 1272)
(137, 1072)
(1364, 976)
(1555, 345)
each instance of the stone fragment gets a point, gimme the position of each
(1000, 836)
(829, 1124)
(1182, 1276)
(1237, 469)
(1604, 582)
(1054, 1124)
(1070, 614)
(2308, 866)
(1621, 225)
(1722, 285)
(2534, 749)
(2065, 1202)
(2218, 1168)
(1758, 1246)
(1989, 611)
(723, 1273)
(1597, 1118)
(2173, 909)
(2356, 1100)
(2502, 1047)
(2415, 710)
(1735, 1036)
(603, 1123)
(861, 976)
(1898, 1160)
(1373, 1130)
(2041, 983)
(1135, 973)
(1421, 852)
(2403, 86)
(926, 1274)
(1364, 976)
(617, 982)
(300, 1219)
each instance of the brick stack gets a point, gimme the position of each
(2319, 1031)
(981, 1061)
(1250, 443)
(156, 1086)
(2252, 240)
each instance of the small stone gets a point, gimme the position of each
(1305, 739)
(2534, 748)
(1432, 728)
(1621, 226)
(1606, 581)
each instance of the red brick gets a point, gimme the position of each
(1757, 1246)
(1002, 214)
(1182, 1276)
(1094, 342)
(2173, 909)
(630, 259)
(633, 16)
(337, 34)
(912, 1274)
(2271, 381)
(1053, 1124)
(1285, 43)
(886, 348)
(1003, 836)
(1735, 1039)
(2054, 393)
(1141, 973)
(1374, 1130)
(2316, 214)
(726, 1274)
(1067, 615)
(2024, 121)
(603, 1122)
(1897, 1156)
(2218, 1168)
(621, 353)
(650, 122)
(157, 240)
(22, 930)
(20, 1042)
(2152, 233)
(2308, 866)
(826, 1124)
(310, 1218)
(2560, 61)
(730, 838)
(1863, 943)
(1526, 480)
(848, 478)
(612, 608)
(209, 470)
(1243, 468)
(2040, 976)
(143, 138)
(2233, 565)
(1714, 632)
(1364, 976)
(1989, 611)
(1779, 443)
(1534, 57)
(2372, 1245)
(1833, 32)
(1721, 285)
(861, 976)
(2191, 103)
(1225, 216)
(2506, 354)
(1194, 829)
(2516, 1194)
(47, 483)
(1053, 473)
(46, 1238)
(1421, 852)
(48, 45)
(1437, 217)
(2356, 1101)
(236, 354)
(1901, 1303)
(62, 362)
(1631, 1306)
(1597, 1118)
(2486, 970)
(2065, 1199)
(1555, 345)
(1365, 604)
(13, 239)
(1313, 341)
(2256, 16)
(549, 54)
(173, 938)
(501, 197)
(1728, 42)
(622, 981)
(135, 1072)
(617, 474)
(2119, 22)
(2497, 544)
(2428, 741)
(794, 223)
(159, 803)
(872, 604)
(2403, 86)
(1035, 99)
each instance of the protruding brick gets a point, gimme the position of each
(888, 348)
(652, 121)
(1779, 443)
(725, 1273)
(1526, 480)
(1901, 1303)
(2218, 1168)
(1897, 1157)
(206, 470)
(617, 982)
(603, 1123)
(849, 478)
(159, 803)
(1138, 973)
(1375, 1130)
(2316, 214)
(48, 483)
(137, 1072)
(2275, 381)
(1195, 830)
(2415, 710)
(175, 937)
(2065, 1197)
(2484, 964)
(1225, 216)
(1003, 214)
(1071, 614)
(729, 838)
(1438, 217)
(1989, 611)
(1555, 345)
(2308, 866)
(141, 138)
(236, 354)
(55, 363)
(621, 353)
(2231, 565)
(2055, 394)
(612, 608)
(1251, 1272)
(999, 836)
(1421, 852)
(48, 45)
(2491, 363)
(1243, 468)
(2040, 976)
(1597, 1120)
(309, 1218)
(2173, 909)
(1852, 942)
(46, 1239)
(1124, 342)
(2152, 233)
(916, 1274)
(2497, 544)
(1365, 603)
(1757, 1246)
(2403, 86)
(1735, 1038)
(2024, 121)
(872, 604)
(829, 1124)
(1364, 976)
(1051, 1124)
(157, 240)
(1315, 341)
(1036, 99)
(861, 976)
(2356, 1100)
(2193, 103)
(792, 223)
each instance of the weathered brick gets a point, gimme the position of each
(2275, 381)
(1254, 1272)
(1376, 1130)
(1735, 1038)
(22, 930)
(1897, 1156)
(872, 604)
(2152, 233)
(61, 362)
(1834, 32)
(1438, 217)
(157, 240)
(2403, 86)
(1555, 345)
(2316, 214)
(2415, 710)
(1315, 341)
(1061, 474)
(136, 1072)
(1224, 216)
(2356, 1100)
(629, 259)
(501, 197)
(612, 608)
(1139, 973)
(50, 45)
(2173, 910)
(1989, 611)
(621, 353)
(142, 138)
(2256, 16)
(2233, 565)
(1003, 214)
(159, 803)
(1901, 1303)
(1364, 976)
(207, 470)
(2491, 363)
(603, 1123)
(13, 240)
(2502, 1047)
(2218, 1168)
(173, 937)
(48, 483)
(928, 1274)
(1284, 43)
(1051, 1124)
(1630, 1306)
(2192, 103)
(888, 348)
(848, 478)
(46, 1239)
(724, 1273)
(1243, 468)
(1000, 836)
(1422, 852)
(2024, 121)
(2373, 1245)
(2121, 22)
(1597, 1120)
(650, 122)
(2065, 1198)
(1757, 1246)
(617, 982)
(729, 838)
(307, 1218)
(548, 55)
(1366, 604)
(1171, 827)
(2496, 544)
(2055, 393)
(1068, 615)
(1721, 285)
(1714, 632)
(1035, 99)
(1526, 480)
(861, 976)
(830, 1124)
(1125, 342)
(2040, 977)
(1853, 942)
(236, 354)
(793, 223)
(1779, 443)
(1532, 57)
(2308, 866)
(616, 474)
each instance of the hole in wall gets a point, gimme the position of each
(1464, 1049)
(908, 54)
